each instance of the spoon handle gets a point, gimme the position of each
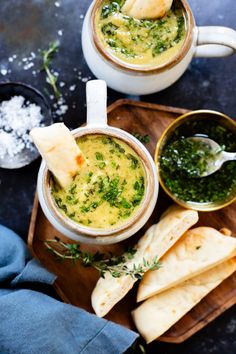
(229, 156)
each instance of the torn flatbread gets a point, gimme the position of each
(58, 148)
(198, 250)
(160, 312)
(148, 9)
(153, 245)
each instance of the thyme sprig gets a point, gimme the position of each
(115, 265)
(47, 56)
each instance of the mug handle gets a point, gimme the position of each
(96, 98)
(215, 41)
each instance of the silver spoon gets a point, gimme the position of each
(214, 164)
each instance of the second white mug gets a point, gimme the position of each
(208, 42)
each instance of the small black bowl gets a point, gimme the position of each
(9, 90)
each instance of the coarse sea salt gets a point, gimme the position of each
(17, 118)
(72, 87)
(4, 72)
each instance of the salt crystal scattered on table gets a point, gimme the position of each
(72, 87)
(4, 72)
(28, 66)
(62, 110)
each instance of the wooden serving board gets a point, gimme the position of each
(75, 283)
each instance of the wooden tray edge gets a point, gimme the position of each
(61, 294)
(141, 104)
(203, 323)
(32, 225)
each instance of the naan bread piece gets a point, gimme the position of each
(146, 9)
(157, 314)
(58, 148)
(198, 250)
(154, 244)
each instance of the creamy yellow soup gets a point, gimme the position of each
(108, 189)
(140, 42)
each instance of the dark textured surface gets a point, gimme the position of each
(27, 26)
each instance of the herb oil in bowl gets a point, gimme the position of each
(189, 156)
(180, 161)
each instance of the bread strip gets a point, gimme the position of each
(58, 148)
(157, 314)
(148, 9)
(155, 243)
(198, 250)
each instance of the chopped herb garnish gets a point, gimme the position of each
(94, 205)
(72, 200)
(102, 165)
(125, 204)
(72, 189)
(116, 147)
(99, 156)
(134, 161)
(180, 22)
(85, 209)
(112, 192)
(109, 29)
(89, 178)
(139, 187)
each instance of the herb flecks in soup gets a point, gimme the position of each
(140, 42)
(109, 187)
(215, 188)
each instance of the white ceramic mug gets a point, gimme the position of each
(97, 124)
(200, 42)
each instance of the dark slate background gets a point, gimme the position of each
(28, 26)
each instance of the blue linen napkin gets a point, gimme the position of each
(32, 322)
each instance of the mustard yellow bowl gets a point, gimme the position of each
(180, 124)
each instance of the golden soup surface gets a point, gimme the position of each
(109, 187)
(140, 42)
